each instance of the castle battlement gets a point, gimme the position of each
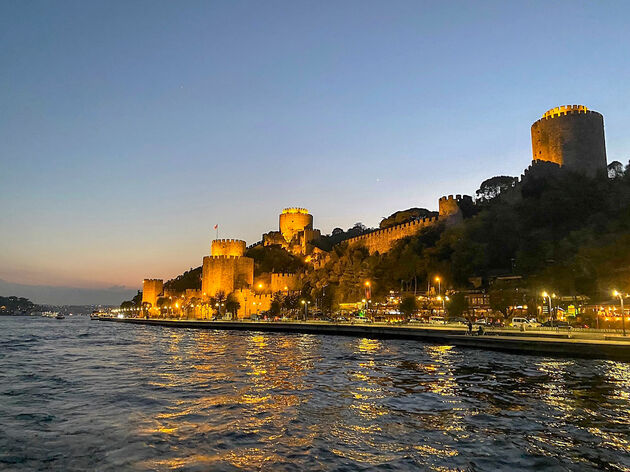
(384, 237)
(573, 137)
(152, 280)
(564, 111)
(223, 256)
(227, 247)
(295, 210)
(456, 198)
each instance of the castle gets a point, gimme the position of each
(569, 137)
(296, 231)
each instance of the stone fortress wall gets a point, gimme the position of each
(571, 136)
(227, 247)
(284, 282)
(151, 290)
(226, 269)
(294, 220)
(252, 303)
(382, 240)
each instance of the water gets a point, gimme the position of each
(77, 394)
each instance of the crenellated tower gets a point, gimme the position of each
(571, 136)
(151, 290)
(227, 268)
(293, 221)
(450, 208)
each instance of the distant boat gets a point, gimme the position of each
(59, 316)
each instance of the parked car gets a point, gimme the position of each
(517, 322)
(556, 324)
(580, 325)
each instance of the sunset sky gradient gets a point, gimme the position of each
(129, 129)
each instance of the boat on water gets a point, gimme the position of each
(59, 316)
(50, 314)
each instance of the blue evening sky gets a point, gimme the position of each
(129, 128)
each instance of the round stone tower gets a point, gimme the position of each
(571, 136)
(227, 247)
(294, 220)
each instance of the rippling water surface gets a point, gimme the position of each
(77, 394)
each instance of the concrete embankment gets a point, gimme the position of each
(523, 343)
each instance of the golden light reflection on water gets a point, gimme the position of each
(276, 367)
(370, 388)
(444, 382)
(368, 345)
(554, 392)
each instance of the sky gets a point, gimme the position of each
(128, 129)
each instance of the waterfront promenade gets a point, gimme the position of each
(555, 343)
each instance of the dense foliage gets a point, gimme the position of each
(15, 304)
(405, 216)
(558, 230)
(274, 259)
(191, 279)
(338, 235)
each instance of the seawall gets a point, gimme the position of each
(521, 344)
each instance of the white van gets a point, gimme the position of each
(437, 320)
(518, 322)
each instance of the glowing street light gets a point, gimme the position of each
(443, 300)
(439, 282)
(548, 297)
(306, 304)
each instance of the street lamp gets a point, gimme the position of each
(439, 282)
(548, 297)
(306, 304)
(623, 315)
(440, 299)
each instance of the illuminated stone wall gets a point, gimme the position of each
(252, 303)
(382, 240)
(294, 220)
(226, 273)
(151, 290)
(571, 136)
(227, 247)
(284, 282)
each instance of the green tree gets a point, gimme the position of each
(276, 304)
(457, 305)
(232, 304)
(408, 306)
(218, 302)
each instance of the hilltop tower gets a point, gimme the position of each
(151, 290)
(294, 220)
(450, 208)
(571, 136)
(227, 247)
(296, 231)
(227, 268)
